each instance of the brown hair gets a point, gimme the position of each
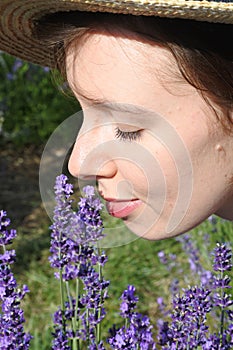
(202, 50)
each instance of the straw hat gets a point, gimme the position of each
(18, 17)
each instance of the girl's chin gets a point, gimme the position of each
(149, 224)
(143, 231)
(158, 230)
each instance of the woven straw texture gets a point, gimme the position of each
(17, 18)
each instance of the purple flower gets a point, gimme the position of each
(161, 304)
(168, 260)
(75, 254)
(6, 235)
(222, 263)
(61, 340)
(189, 317)
(46, 69)
(222, 258)
(12, 335)
(129, 302)
(223, 300)
(221, 282)
(212, 219)
(163, 332)
(188, 328)
(17, 64)
(10, 76)
(89, 213)
(230, 333)
(193, 255)
(136, 334)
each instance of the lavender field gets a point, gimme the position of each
(170, 294)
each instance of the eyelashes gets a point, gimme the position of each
(127, 135)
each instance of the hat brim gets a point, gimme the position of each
(18, 17)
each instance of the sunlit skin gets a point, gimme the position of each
(181, 166)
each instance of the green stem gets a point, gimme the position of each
(221, 315)
(61, 285)
(126, 323)
(76, 308)
(62, 298)
(98, 330)
(77, 293)
(222, 326)
(88, 330)
(75, 344)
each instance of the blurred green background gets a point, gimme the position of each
(33, 102)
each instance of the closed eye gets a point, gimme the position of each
(127, 135)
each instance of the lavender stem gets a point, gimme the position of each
(222, 313)
(76, 309)
(73, 318)
(62, 299)
(99, 309)
(88, 328)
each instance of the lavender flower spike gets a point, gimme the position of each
(89, 213)
(12, 335)
(222, 258)
(77, 257)
(222, 264)
(129, 302)
(136, 333)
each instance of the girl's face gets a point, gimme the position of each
(161, 159)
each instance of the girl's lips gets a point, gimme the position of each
(120, 209)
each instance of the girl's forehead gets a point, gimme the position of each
(110, 46)
(103, 70)
(106, 46)
(110, 55)
(106, 67)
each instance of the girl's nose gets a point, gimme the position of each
(91, 157)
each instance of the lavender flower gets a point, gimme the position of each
(78, 262)
(169, 261)
(193, 255)
(6, 235)
(10, 76)
(17, 64)
(12, 335)
(129, 302)
(76, 255)
(213, 221)
(222, 258)
(89, 213)
(136, 333)
(223, 263)
(188, 328)
(46, 69)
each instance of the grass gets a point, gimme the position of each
(134, 263)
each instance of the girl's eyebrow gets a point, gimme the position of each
(112, 105)
(124, 107)
(117, 106)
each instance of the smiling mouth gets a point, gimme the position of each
(123, 208)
